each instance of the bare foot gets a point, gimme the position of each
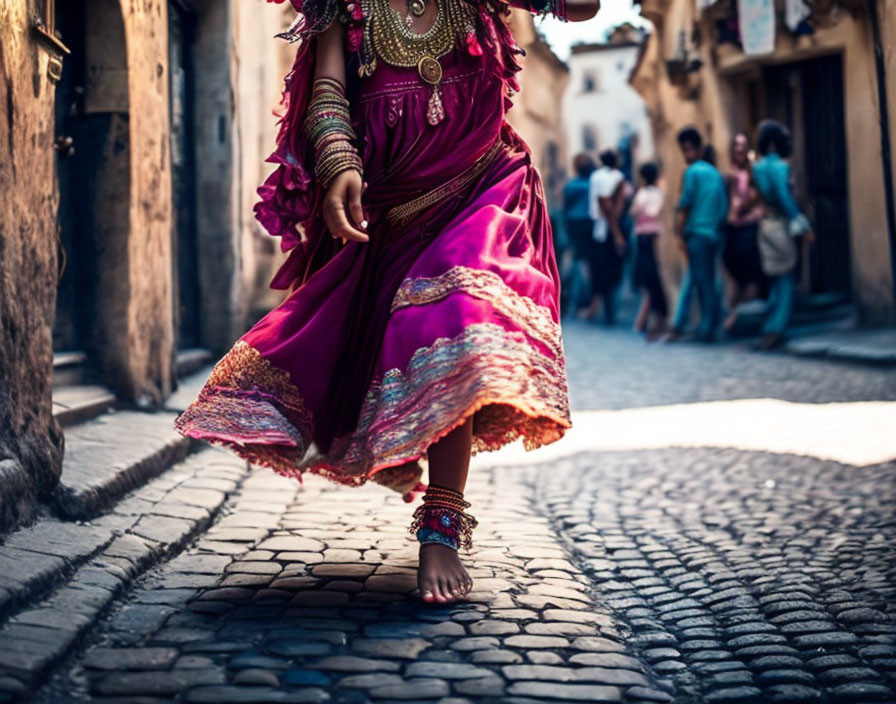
(730, 321)
(672, 336)
(441, 577)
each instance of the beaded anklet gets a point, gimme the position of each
(442, 519)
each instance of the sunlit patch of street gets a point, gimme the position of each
(855, 433)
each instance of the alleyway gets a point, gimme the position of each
(690, 574)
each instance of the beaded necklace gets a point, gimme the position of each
(388, 36)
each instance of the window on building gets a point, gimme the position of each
(589, 138)
(589, 82)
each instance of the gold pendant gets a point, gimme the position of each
(366, 69)
(430, 71)
(435, 110)
(417, 7)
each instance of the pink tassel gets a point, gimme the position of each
(474, 48)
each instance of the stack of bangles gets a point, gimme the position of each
(329, 131)
(443, 519)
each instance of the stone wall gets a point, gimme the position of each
(262, 61)
(30, 440)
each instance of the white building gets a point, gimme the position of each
(601, 109)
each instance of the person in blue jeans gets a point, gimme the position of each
(702, 209)
(779, 255)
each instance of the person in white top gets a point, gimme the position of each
(606, 201)
(647, 207)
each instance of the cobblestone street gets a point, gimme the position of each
(683, 574)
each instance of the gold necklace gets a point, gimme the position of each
(389, 37)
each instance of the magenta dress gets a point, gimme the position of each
(450, 311)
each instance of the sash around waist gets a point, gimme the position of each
(403, 213)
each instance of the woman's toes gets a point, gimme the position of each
(427, 596)
(442, 593)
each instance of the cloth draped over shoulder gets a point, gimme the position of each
(290, 201)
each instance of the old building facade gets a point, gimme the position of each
(133, 137)
(602, 110)
(823, 80)
(537, 112)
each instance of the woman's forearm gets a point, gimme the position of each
(330, 57)
(581, 10)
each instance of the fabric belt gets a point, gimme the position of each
(401, 215)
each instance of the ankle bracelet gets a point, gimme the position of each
(442, 519)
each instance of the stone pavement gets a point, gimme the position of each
(868, 346)
(57, 578)
(297, 595)
(743, 576)
(676, 575)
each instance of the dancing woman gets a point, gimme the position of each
(422, 319)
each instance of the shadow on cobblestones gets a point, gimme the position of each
(301, 596)
(748, 577)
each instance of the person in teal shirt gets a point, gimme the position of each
(771, 178)
(702, 209)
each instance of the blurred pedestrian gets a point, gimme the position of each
(702, 208)
(646, 209)
(741, 251)
(579, 229)
(607, 203)
(780, 229)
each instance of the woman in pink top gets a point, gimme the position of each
(741, 252)
(646, 209)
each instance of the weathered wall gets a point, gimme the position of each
(887, 9)
(537, 112)
(241, 67)
(30, 440)
(150, 330)
(869, 244)
(261, 63)
(217, 197)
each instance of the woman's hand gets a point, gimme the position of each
(342, 209)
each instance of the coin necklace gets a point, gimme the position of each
(389, 37)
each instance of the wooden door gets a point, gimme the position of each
(71, 328)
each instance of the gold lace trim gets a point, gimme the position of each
(244, 369)
(535, 320)
(513, 389)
